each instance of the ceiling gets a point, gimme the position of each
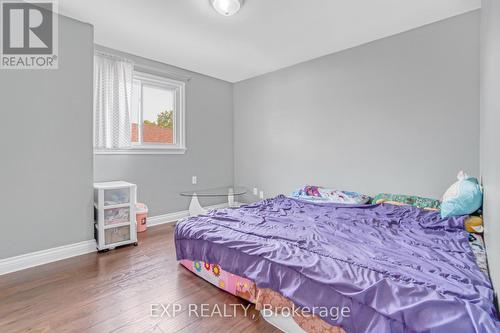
(264, 36)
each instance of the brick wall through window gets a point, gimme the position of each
(153, 133)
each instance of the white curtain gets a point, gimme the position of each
(112, 102)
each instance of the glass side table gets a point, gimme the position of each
(230, 192)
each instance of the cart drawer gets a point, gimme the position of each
(116, 215)
(116, 235)
(116, 196)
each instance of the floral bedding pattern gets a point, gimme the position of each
(246, 289)
(233, 284)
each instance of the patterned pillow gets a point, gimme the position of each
(420, 202)
(317, 193)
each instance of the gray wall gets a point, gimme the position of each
(46, 143)
(399, 115)
(490, 133)
(209, 140)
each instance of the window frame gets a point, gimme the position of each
(179, 129)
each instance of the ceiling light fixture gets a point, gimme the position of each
(227, 7)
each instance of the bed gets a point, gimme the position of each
(396, 268)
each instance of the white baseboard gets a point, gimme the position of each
(37, 258)
(42, 257)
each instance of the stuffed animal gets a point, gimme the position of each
(474, 224)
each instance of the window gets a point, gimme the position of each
(157, 114)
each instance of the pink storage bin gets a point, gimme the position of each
(141, 212)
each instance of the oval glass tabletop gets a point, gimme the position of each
(216, 192)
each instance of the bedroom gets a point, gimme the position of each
(217, 115)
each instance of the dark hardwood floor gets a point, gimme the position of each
(113, 292)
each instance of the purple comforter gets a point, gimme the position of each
(398, 268)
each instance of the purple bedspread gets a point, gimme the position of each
(398, 268)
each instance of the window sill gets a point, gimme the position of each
(142, 151)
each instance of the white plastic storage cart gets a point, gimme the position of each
(114, 214)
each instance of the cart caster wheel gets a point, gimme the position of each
(135, 244)
(103, 251)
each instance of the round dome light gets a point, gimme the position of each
(227, 7)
